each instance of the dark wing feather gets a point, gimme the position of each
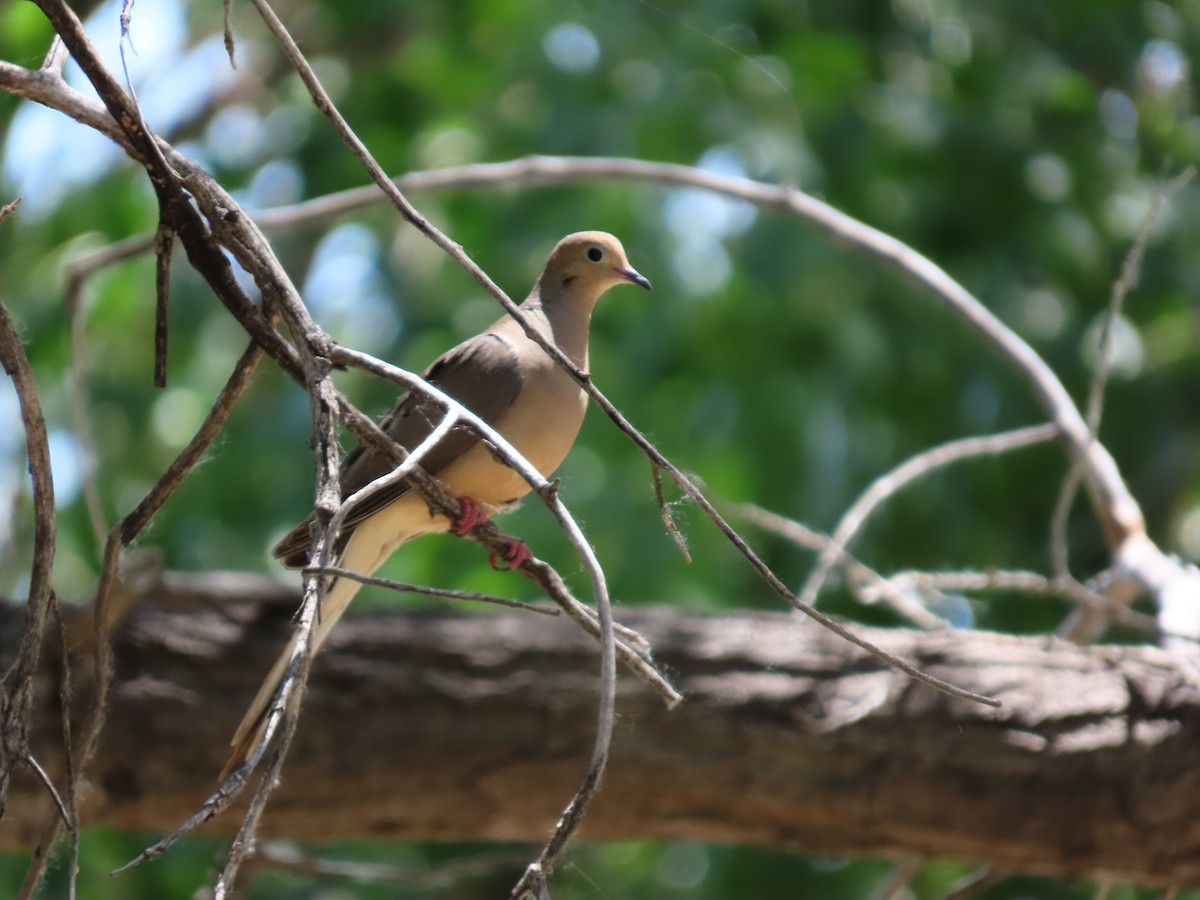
(482, 374)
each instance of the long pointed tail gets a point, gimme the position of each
(253, 725)
(372, 542)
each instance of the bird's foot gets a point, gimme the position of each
(516, 555)
(472, 514)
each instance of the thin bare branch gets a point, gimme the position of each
(914, 467)
(18, 683)
(56, 57)
(868, 585)
(243, 371)
(33, 764)
(227, 25)
(668, 519)
(1130, 270)
(425, 591)
(1086, 627)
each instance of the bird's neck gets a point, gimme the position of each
(565, 323)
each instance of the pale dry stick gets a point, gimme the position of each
(624, 633)
(56, 57)
(1085, 597)
(226, 9)
(294, 682)
(868, 585)
(49, 89)
(1016, 580)
(426, 591)
(1079, 626)
(1117, 509)
(917, 466)
(1130, 268)
(17, 684)
(326, 106)
(31, 761)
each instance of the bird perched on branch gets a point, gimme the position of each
(507, 380)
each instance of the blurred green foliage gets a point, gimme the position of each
(1018, 145)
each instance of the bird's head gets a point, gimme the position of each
(586, 264)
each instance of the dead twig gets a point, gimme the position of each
(668, 519)
(917, 466)
(1081, 626)
(426, 591)
(16, 687)
(868, 585)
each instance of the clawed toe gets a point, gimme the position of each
(472, 514)
(516, 555)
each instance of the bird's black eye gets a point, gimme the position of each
(595, 254)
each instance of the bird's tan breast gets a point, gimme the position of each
(542, 425)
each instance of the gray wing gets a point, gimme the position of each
(481, 373)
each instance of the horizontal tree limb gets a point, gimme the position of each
(478, 726)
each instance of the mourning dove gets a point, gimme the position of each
(506, 379)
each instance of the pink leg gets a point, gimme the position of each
(472, 514)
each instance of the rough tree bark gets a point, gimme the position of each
(476, 726)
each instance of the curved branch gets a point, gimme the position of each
(1119, 513)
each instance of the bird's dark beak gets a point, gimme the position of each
(631, 274)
